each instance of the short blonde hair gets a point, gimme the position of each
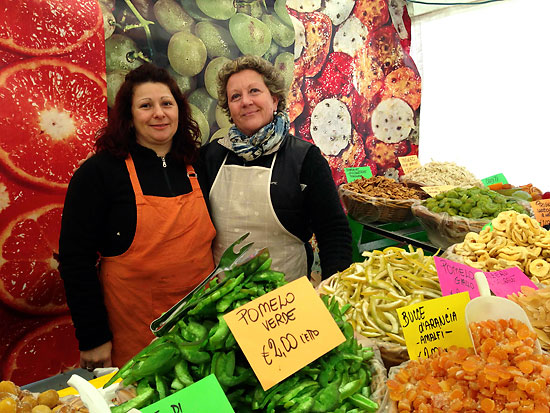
(272, 78)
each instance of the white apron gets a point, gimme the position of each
(240, 201)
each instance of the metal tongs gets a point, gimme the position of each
(228, 261)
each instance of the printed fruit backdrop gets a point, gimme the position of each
(354, 92)
(53, 98)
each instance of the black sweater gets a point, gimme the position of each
(99, 219)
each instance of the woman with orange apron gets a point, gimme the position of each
(136, 236)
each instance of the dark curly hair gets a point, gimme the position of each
(117, 135)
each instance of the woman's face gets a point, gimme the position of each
(154, 116)
(251, 105)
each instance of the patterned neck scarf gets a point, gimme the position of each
(264, 142)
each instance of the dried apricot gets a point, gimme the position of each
(487, 405)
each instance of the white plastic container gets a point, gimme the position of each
(488, 307)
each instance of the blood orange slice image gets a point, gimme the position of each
(43, 352)
(50, 111)
(47, 27)
(29, 278)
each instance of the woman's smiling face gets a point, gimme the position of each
(155, 116)
(250, 102)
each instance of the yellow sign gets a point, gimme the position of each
(435, 190)
(440, 322)
(409, 163)
(284, 330)
(541, 208)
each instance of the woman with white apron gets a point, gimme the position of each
(267, 182)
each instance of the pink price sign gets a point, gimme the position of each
(508, 281)
(456, 278)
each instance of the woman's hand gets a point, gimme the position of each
(96, 357)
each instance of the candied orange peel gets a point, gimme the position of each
(504, 376)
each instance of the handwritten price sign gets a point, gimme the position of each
(409, 163)
(455, 277)
(283, 331)
(541, 208)
(440, 322)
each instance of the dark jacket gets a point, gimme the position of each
(304, 197)
(99, 219)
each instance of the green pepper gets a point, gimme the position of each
(327, 399)
(267, 275)
(225, 368)
(140, 400)
(297, 390)
(125, 370)
(182, 373)
(217, 340)
(177, 384)
(352, 387)
(230, 341)
(162, 387)
(303, 405)
(193, 331)
(225, 288)
(159, 360)
(195, 356)
(364, 403)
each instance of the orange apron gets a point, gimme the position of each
(170, 254)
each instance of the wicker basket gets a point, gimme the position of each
(444, 230)
(366, 209)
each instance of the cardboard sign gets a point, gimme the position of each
(541, 208)
(494, 179)
(440, 322)
(204, 396)
(508, 281)
(284, 330)
(456, 278)
(435, 190)
(358, 172)
(409, 163)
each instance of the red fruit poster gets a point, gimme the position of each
(53, 98)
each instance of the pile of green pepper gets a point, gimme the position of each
(201, 344)
(476, 203)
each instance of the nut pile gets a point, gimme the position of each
(516, 240)
(382, 187)
(536, 304)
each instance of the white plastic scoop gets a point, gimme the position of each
(488, 307)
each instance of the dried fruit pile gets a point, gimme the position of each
(536, 304)
(385, 281)
(515, 241)
(443, 173)
(15, 400)
(504, 376)
(475, 203)
(382, 187)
